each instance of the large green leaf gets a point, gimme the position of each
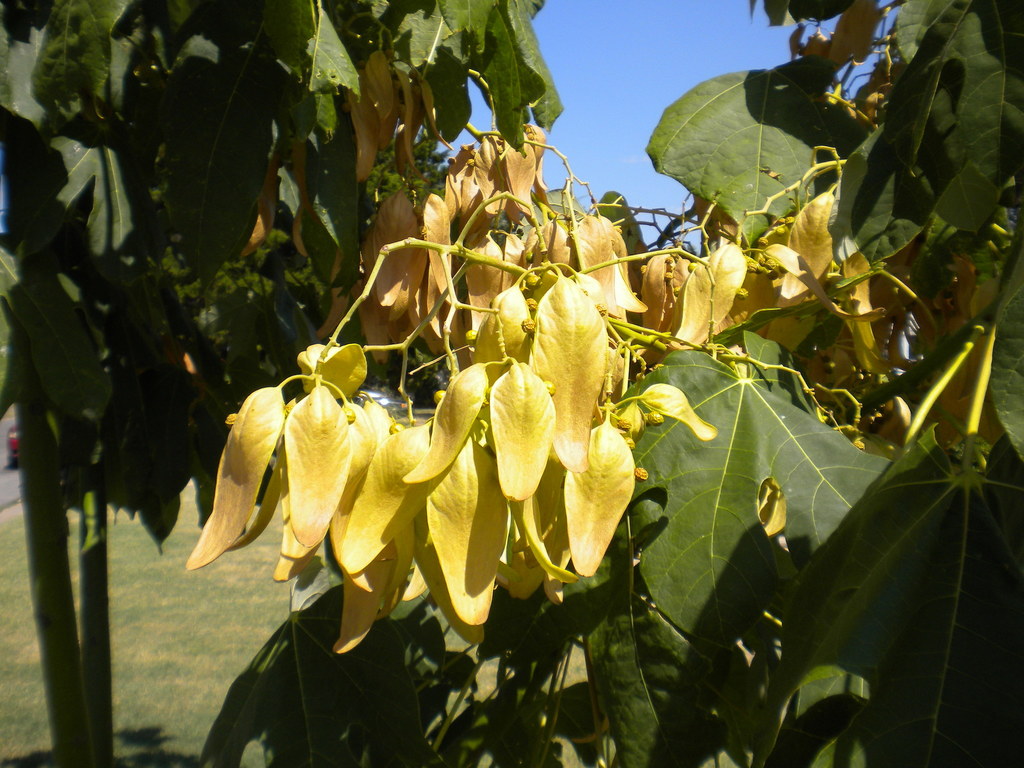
(881, 203)
(62, 353)
(649, 677)
(75, 58)
(916, 593)
(958, 108)
(418, 28)
(217, 117)
(290, 25)
(512, 85)
(21, 40)
(468, 16)
(739, 138)
(309, 706)
(782, 12)
(35, 176)
(330, 64)
(1007, 383)
(447, 79)
(708, 563)
(334, 192)
(547, 107)
(122, 224)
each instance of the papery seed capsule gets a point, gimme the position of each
(468, 522)
(384, 504)
(453, 420)
(430, 568)
(247, 452)
(316, 443)
(595, 499)
(569, 350)
(503, 333)
(523, 424)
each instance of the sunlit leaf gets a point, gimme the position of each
(738, 138)
(708, 562)
(307, 705)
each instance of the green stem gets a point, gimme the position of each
(917, 424)
(46, 532)
(95, 615)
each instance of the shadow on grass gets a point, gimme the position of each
(139, 748)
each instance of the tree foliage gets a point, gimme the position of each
(740, 485)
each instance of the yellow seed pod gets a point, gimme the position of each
(468, 521)
(430, 569)
(709, 293)
(378, 418)
(670, 401)
(246, 455)
(453, 419)
(530, 575)
(771, 506)
(631, 420)
(810, 236)
(345, 367)
(504, 326)
(361, 603)
(295, 556)
(384, 504)
(523, 425)
(595, 499)
(318, 450)
(363, 439)
(569, 350)
(534, 519)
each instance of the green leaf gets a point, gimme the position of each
(777, 12)
(1004, 494)
(470, 16)
(75, 58)
(881, 203)
(290, 25)
(35, 176)
(309, 706)
(330, 62)
(819, 10)
(649, 678)
(217, 115)
(965, 82)
(122, 225)
(62, 352)
(20, 43)
(418, 29)
(912, 22)
(447, 79)
(917, 593)
(1007, 382)
(507, 78)
(736, 139)
(334, 193)
(548, 106)
(708, 564)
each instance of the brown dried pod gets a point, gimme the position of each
(855, 32)
(377, 86)
(266, 206)
(366, 124)
(411, 121)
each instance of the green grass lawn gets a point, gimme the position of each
(179, 639)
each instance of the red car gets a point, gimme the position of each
(12, 448)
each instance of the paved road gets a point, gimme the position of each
(10, 481)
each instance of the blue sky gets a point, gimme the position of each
(618, 65)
